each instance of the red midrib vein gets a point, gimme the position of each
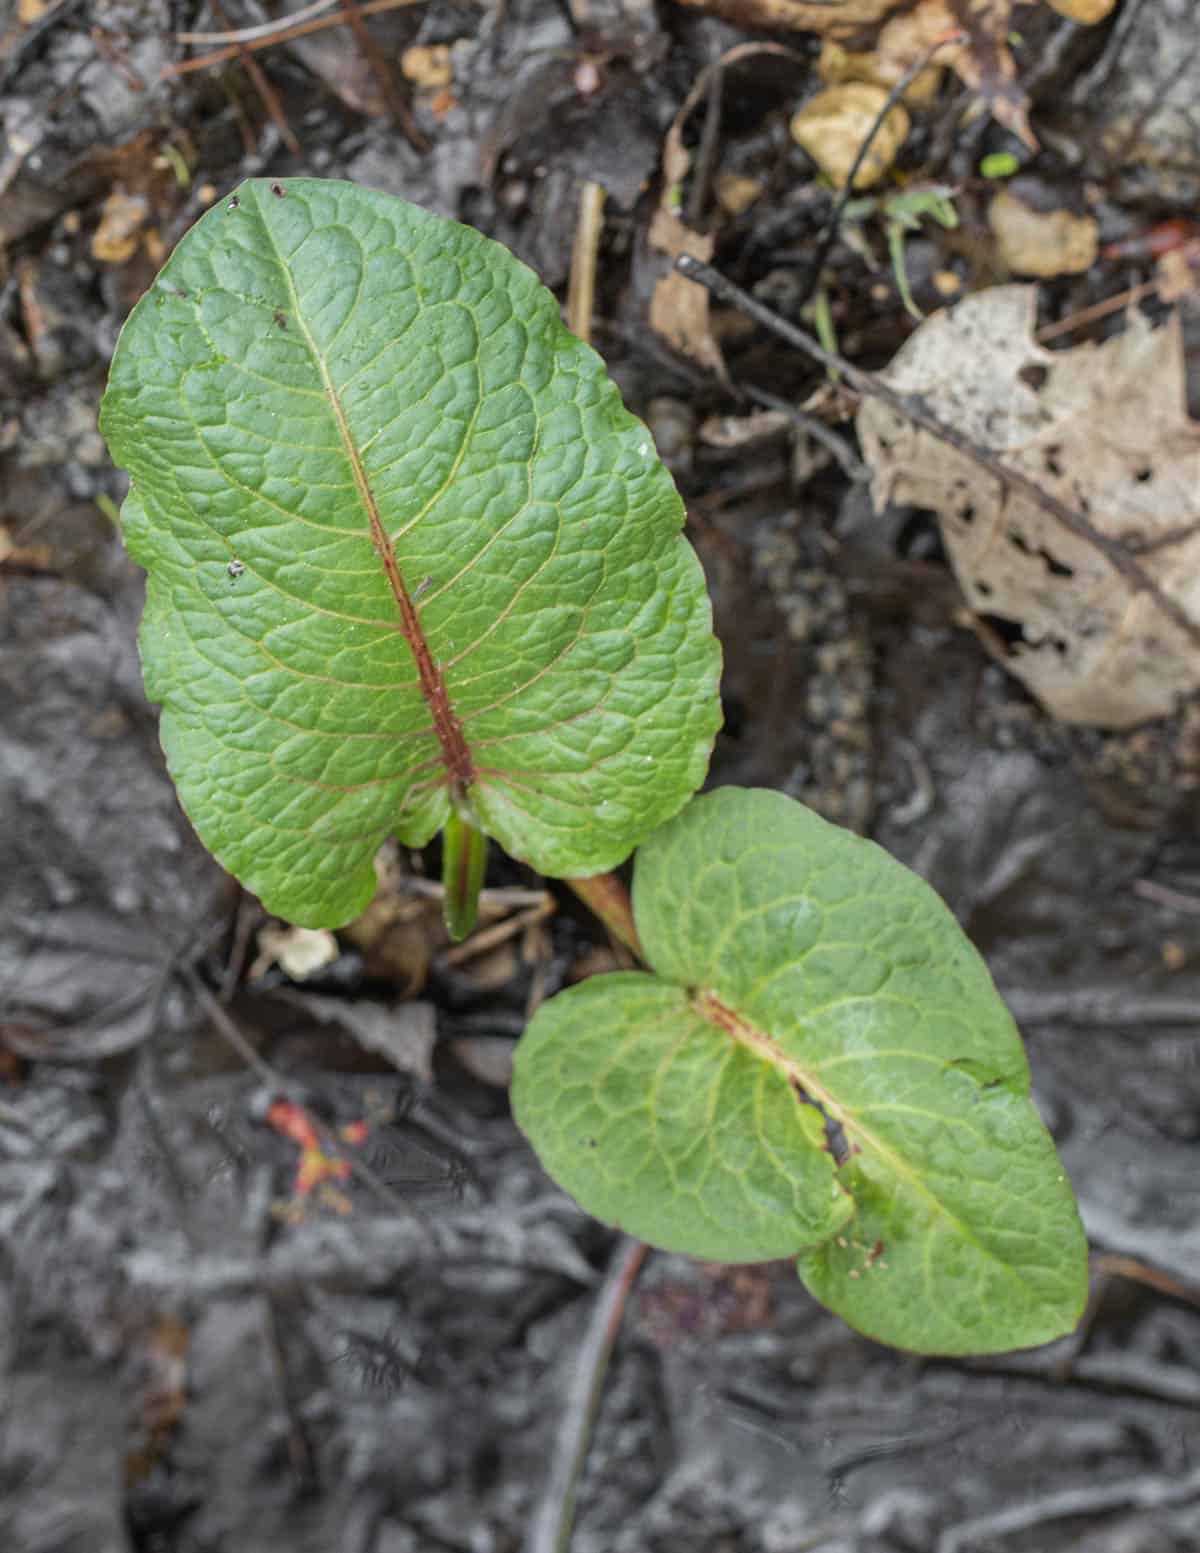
(456, 755)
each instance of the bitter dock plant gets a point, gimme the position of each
(409, 555)
(413, 567)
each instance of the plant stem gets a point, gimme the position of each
(464, 857)
(607, 897)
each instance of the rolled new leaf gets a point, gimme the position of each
(819, 1066)
(406, 548)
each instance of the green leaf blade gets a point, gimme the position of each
(850, 975)
(319, 369)
(655, 1123)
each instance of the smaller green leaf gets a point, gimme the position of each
(819, 1065)
(999, 164)
(655, 1121)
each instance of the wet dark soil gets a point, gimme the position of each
(195, 1358)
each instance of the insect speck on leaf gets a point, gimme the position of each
(421, 587)
(236, 568)
(278, 190)
(280, 319)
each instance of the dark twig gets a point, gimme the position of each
(1120, 154)
(552, 1522)
(1090, 82)
(31, 34)
(401, 114)
(301, 1455)
(1142, 1493)
(270, 97)
(914, 409)
(851, 465)
(830, 231)
(706, 156)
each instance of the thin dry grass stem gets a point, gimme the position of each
(284, 33)
(581, 287)
(270, 97)
(1088, 315)
(261, 30)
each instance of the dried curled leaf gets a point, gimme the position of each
(1046, 243)
(1103, 428)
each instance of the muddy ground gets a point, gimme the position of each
(193, 1358)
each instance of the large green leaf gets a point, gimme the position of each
(406, 548)
(820, 1066)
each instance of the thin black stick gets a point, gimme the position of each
(914, 409)
(551, 1528)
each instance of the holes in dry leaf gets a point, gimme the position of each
(1034, 374)
(1053, 467)
(984, 589)
(1055, 567)
(918, 537)
(1144, 474)
(1009, 633)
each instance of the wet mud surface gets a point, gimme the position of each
(193, 1355)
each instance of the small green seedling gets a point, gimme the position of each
(902, 212)
(414, 568)
(999, 164)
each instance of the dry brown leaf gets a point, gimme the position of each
(834, 21)
(833, 125)
(1103, 428)
(982, 61)
(1045, 243)
(1085, 11)
(838, 64)
(122, 217)
(678, 307)
(430, 65)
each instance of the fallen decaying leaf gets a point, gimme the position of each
(835, 21)
(1085, 11)
(1104, 429)
(122, 218)
(676, 311)
(1043, 243)
(833, 125)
